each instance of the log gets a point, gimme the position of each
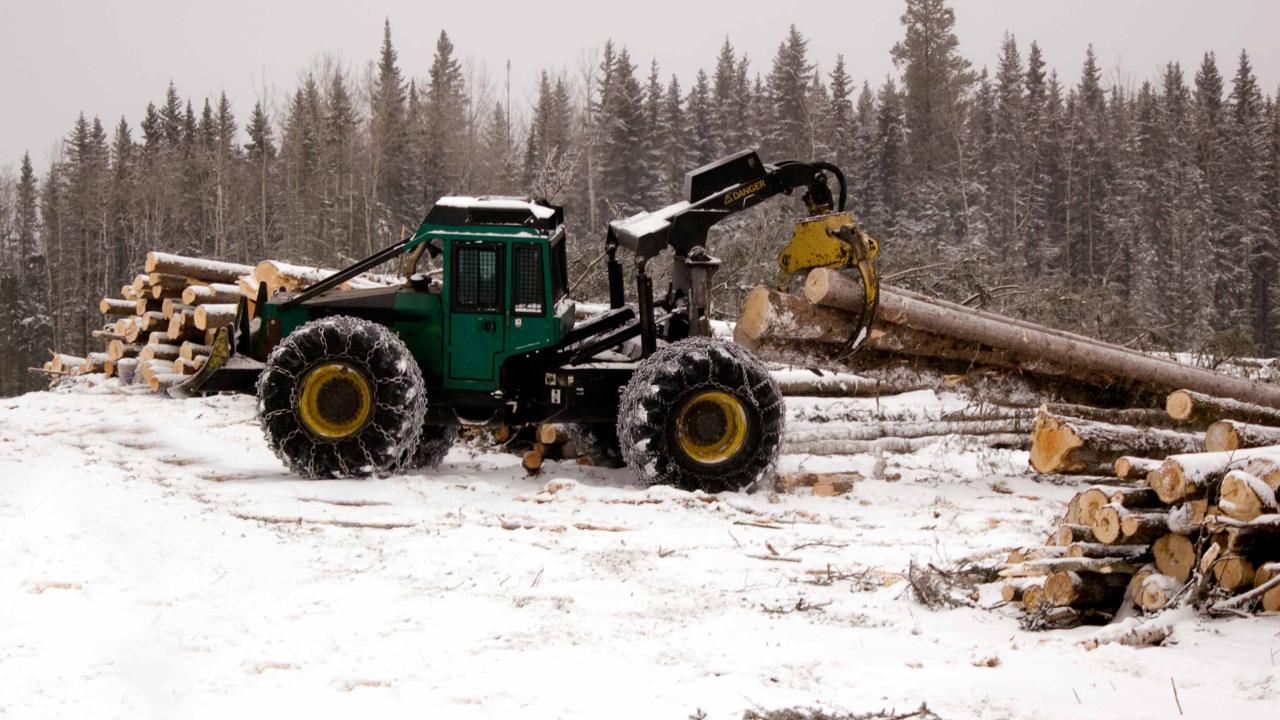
(1157, 592)
(108, 335)
(144, 305)
(1075, 351)
(1067, 445)
(117, 350)
(1021, 555)
(1133, 633)
(1115, 524)
(211, 294)
(896, 445)
(159, 352)
(210, 270)
(1175, 556)
(1069, 533)
(1186, 519)
(63, 363)
(1233, 572)
(169, 306)
(532, 462)
(126, 369)
(211, 317)
(801, 382)
(189, 350)
(771, 314)
(1073, 589)
(1033, 596)
(1190, 476)
(1243, 496)
(552, 434)
(152, 321)
(1188, 405)
(115, 306)
(873, 430)
(1265, 469)
(168, 282)
(1128, 467)
(1048, 566)
(1268, 593)
(93, 362)
(163, 381)
(1226, 435)
(1134, 591)
(1147, 417)
(1126, 553)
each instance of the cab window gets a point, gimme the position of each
(528, 294)
(477, 272)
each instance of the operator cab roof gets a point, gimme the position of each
(465, 211)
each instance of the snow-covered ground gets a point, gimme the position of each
(157, 561)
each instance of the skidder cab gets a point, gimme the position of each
(358, 382)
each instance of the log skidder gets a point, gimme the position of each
(343, 397)
(701, 414)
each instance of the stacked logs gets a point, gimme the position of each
(551, 441)
(162, 326)
(1197, 529)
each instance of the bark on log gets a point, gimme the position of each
(1071, 533)
(804, 433)
(1157, 591)
(1113, 524)
(1144, 417)
(1189, 405)
(1126, 553)
(210, 294)
(211, 317)
(170, 306)
(1073, 589)
(1189, 476)
(1233, 572)
(801, 382)
(1134, 591)
(1036, 341)
(552, 434)
(1068, 445)
(212, 270)
(117, 350)
(189, 350)
(1047, 566)
(159, 352)
(1226, 435)
(896, 445)
(1186, 519)
(163, 381)
(115, 306)
(93, 362)
(1128, 467)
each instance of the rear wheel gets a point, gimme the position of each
(342, 397)
(433, 445)
(701, 414)
(597, 442)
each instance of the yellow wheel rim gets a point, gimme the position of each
(711, 427)
(336, 400)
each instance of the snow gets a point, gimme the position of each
(160, 562)
(541, 212)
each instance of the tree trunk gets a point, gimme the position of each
(895, 444)
(1190, 406)
(1068, 445)
(208, 270)
(1128, 467)
(1244, 497)
(1227, 435)
(1175, 556)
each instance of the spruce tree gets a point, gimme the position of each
(447, 112)
(787, 133)
(702, 140)
(388, 148)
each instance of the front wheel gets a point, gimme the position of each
(341, 397)
(701, 414)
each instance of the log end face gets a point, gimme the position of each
(1052, 442)
(1179, 404)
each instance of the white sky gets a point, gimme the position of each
(110, 57)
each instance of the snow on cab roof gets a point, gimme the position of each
(497, 202)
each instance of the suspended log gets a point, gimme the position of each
(1068, 445)
(1027, 339)
(1189, 405)
(211, 294)
(114, 306)
(211, 270)
(1226, 435)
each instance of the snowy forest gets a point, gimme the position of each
(1144, 212)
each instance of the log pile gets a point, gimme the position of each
(162, 325)
(1197, 529)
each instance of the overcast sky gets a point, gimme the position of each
(110, 57)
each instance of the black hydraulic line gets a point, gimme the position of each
(342, 276)
(840, 179)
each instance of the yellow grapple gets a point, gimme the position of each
(835, 241)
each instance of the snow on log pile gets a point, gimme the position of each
(162, 326)
(1196, 530)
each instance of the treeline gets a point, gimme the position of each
(1148, 214)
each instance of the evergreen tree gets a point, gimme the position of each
(447, 112)
(673, 129)
(702, 142)
(788, 130)
(391, 202)
(621, 157)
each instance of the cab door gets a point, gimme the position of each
(477, 322)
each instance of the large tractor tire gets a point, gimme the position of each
(433, 445)
(701, 414)
(598, 442)
(342, 397)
